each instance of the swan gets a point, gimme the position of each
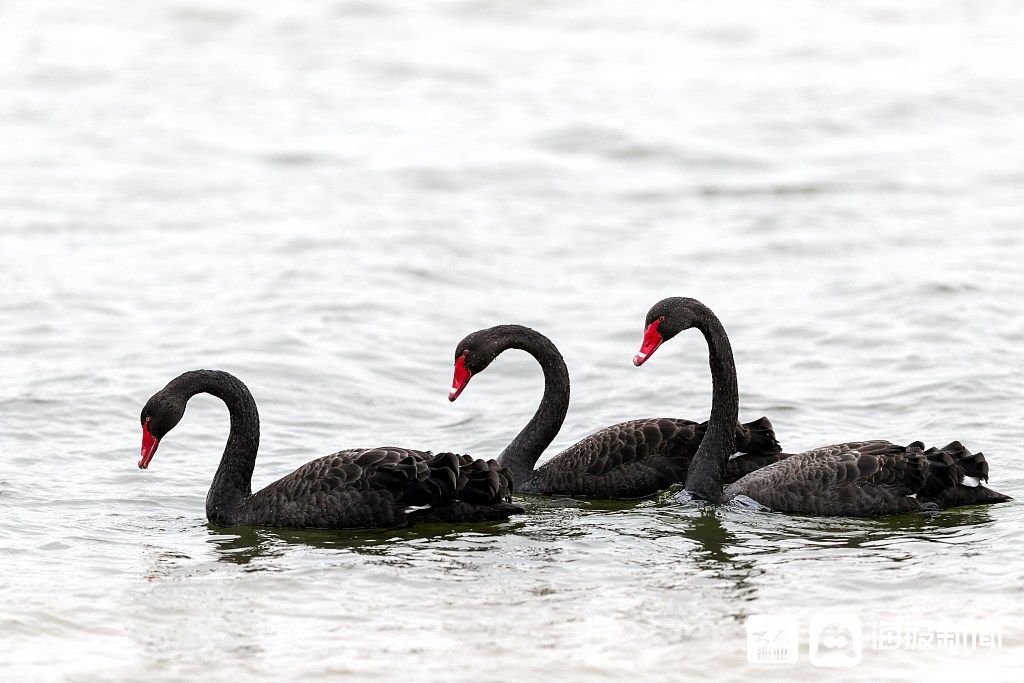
(351, 489)
(628, 460)
(856, 479)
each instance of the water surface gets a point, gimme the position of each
(323, 198)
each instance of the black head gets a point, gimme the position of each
(160, 415)
(478, 350)
(666, 319)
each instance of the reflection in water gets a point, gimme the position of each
(707, 530)
(718, 555)
(831, 532)
(242, 545)
(716, 552)
(741, 544)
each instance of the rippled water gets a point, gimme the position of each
(324, 197)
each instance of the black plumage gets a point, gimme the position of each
(641, 457)
(869, 479)
(858, 479)
(628, 460)
(356, 488)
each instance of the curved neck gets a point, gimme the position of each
(232, 483)
(707, 469)
(523, 452)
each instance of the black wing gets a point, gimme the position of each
(861, 479)
(376, 487)
(638, 458)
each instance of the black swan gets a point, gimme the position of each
(858, 479)
(629, 460)
(356, 488)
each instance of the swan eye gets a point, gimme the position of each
(661, 318)
(465, 353)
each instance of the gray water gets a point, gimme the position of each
(323, 198)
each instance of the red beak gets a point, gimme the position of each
(652, 340)
(461, 378)
(149, 444)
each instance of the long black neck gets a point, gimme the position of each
(232, 483)
(707, 469)
(523, 452)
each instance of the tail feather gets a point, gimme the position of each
(757, 437)
(930, 472)
(954, 475)
(438, 487)
(482, 492)
(483, 482)
(972, 464)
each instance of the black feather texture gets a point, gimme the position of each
(865, 479)
(857, 479)
(628, 460)
(350, 489)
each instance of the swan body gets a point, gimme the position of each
(381, 487)
(857, 479)
(869, 479)
(356, 488)
(638, 458)
(628, 460)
